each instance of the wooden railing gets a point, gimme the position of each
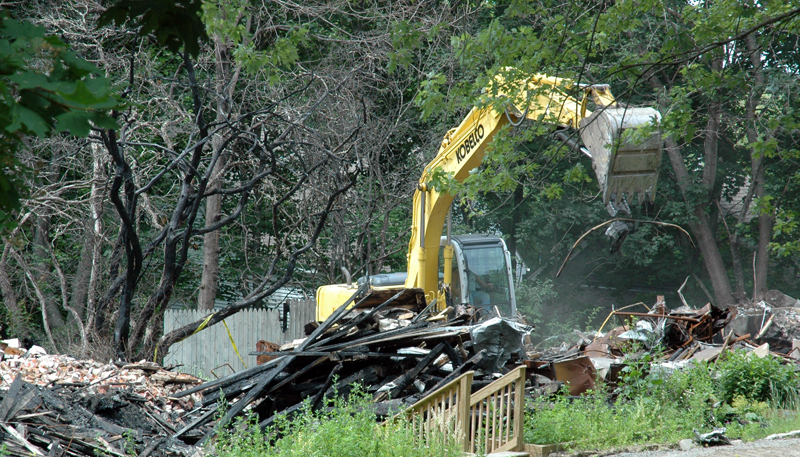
(444, 412)
(490, 420)
(496, 415)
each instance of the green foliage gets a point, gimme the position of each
(175, 23)
(347, 428)
(532, 299)
(785, 241)
(590, 422)
(747, 410)
(227, 20)
(45, 88)
(430, 98)
(658, 405)
(406, 37)
(758, 379)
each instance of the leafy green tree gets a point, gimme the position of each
(45, 89)
(721, 73)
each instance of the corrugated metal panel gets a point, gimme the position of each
(211, 348)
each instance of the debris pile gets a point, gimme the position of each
(683, 335)
(57, 405)
(775, 320)
(393, 345)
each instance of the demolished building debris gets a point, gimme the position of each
(682, 335)
(56, 405)
(398, 349)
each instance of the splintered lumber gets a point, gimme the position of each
(366, 376)
(228, 380)
(399, 334)
(262, 385)
(333, 318)
(471, 362)
(10, 399)
(659, 316)
(198, 422)
(318, 397)
(288, 413)
(212, 396)
(18, 436)
(411, 298)
(378, 342)
(300, 373)
(403, 381)
(364, 317)
(152, 447)
(237, 407)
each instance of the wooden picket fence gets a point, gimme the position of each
(210, 353)
(488, 421)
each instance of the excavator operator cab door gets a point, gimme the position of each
(481, 274)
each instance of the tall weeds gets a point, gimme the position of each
(751, 396)
(343, 428)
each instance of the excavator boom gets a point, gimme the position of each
(625, 158)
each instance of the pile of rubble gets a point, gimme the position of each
(396, 347)
(56, 405)
(682, 336)
(391, 343)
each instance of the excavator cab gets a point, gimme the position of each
(481, 273)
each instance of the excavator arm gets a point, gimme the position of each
(623, 168)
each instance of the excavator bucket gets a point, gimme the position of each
(626, 165)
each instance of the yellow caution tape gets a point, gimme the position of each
(201, 327)
(233, 343)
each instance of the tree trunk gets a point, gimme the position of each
(702, 232)
(80, 281)
(16, 319)
(765, 219)
(701, 226)
(96, 206)
(41, 267)
(209, 284)
(225, 83)
(512, 229)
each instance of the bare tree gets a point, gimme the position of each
(266, 159)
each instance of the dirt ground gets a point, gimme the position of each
(773, 448)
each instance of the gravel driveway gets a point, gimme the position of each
(774, 448)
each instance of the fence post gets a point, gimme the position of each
(519, 410)
(463, 410)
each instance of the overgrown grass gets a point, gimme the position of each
(345, 428)
(751, 397)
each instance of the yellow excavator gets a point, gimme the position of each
(626, 166)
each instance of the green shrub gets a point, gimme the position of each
(347, 428)
(655, 407)
(758, 379)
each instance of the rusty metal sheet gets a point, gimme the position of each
(578, 373)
